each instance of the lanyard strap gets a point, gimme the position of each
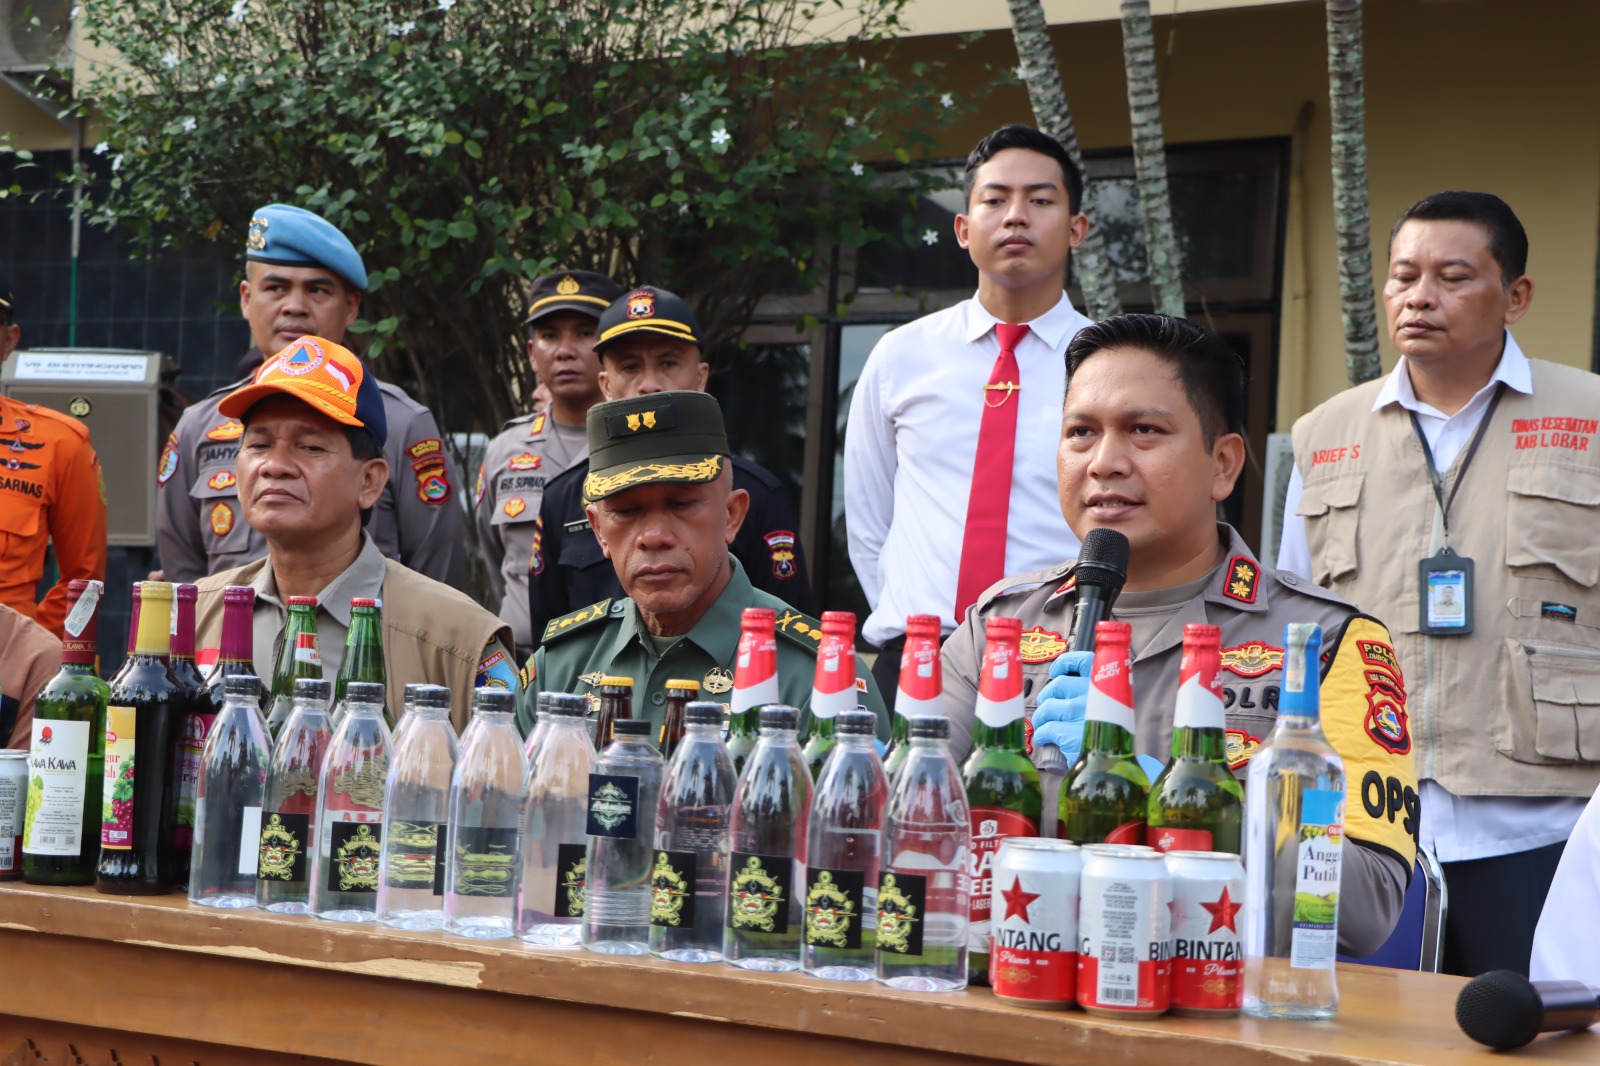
(1434, 476)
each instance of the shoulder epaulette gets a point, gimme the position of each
(801, 629)
(568, 624)
(62, 417)
(520, 420)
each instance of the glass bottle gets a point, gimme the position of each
(1196, 804)
(363, 655)
(833, 687)
(1004, 797)
(624, 791)
(1294, 833)
(289, 816)
(229, 799)
(1105, 794)
(923, 904)
(689, 881)
(555, 811)
(344, 878)
(843, 845)
(616, 704)
(298, 657)
(480, 893)
(541, 726)
(679, 693)
(142, 711)
(767, 867)
(755, 681)
(921, 686)
(416, 811)
(189, 741)
(66, 755)
(133, 637)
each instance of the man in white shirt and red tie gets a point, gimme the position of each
(949, 459)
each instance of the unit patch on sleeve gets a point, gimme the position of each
(780, 545)
(497, 670)
(433, 488)
(168, 464)
(482, 487)
(1386, 722)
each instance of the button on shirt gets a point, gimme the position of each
(1456, 828)
(909, 450)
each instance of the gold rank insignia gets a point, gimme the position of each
(1243, 579)
(537, 425)
(567, 286)
(1041, 645)
(642, 420)
(577, 619)
(1252, 658)
(718, 680)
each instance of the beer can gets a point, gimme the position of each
(13, 804)
(1124, 932)
(1033, 955)
(1207, 954)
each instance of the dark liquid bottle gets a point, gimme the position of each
(187, 743)
(1196, 803)
(363, 656)
(145, 707)
(679, 696)
(66, 759)
(298, 657)
(1105, 794)
(616, 702)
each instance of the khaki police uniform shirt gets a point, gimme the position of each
(1363, 703)
(30, 655)
(516, 466)
(201, 529)
(609, 637)
(432, 634)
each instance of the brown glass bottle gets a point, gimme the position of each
(679, 695)
(616, 701)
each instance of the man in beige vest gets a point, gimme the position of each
(311, 468)
(1458, 494)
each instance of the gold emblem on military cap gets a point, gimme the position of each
(567, 286)
(257, 241)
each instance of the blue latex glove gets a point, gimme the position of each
(883, 749)
(1058, 715)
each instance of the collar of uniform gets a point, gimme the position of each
(1512, 371)
(717, 632)
(1050, 327)
(362, 578)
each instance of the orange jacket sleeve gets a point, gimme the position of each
(77, 528)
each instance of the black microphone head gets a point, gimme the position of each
(1501, 1009)
(1103, 560)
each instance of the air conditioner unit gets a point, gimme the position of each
(35, 35)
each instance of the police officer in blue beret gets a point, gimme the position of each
(303, 277)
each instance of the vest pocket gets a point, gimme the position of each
(1332, 513)
(1552, 704)
(1550, 520)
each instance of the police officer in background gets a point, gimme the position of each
(1151, 442)
(51, 492)
(303, 277)
(650, 342)
(536, 447)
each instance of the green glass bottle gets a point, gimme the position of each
(920, 689)
(298, 657)
(755, 681)
(1105, 794)
(1196, 803)
(66, 758)
(363, 656)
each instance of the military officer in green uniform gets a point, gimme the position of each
(660, 497)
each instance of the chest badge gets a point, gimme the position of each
(525, 461)
(1239, 747)
(222, 479)
(1252, 659)
(221, 519)
(515, 506)
(1041, 645)
(229, 430)
(718, 680)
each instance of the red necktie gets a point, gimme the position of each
(983, 547)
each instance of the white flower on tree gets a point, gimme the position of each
(720, 137)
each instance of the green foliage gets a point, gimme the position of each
(715, 147)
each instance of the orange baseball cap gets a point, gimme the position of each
(325, 376)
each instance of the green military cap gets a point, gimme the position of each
(661, 436)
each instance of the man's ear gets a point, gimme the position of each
(1519, 297)
(738, 508)
(1227, 456)
(374, 476)
(594, 523)
(352, 306)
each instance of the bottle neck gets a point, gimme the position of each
(155, 636)
(1107, 738)
(183, 635)
(1012, 736)
(704, 729)
(81, 650)
(1198, 743)
(237, 639)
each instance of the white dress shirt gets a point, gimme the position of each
(1566, 946)
(909, 451)
(1457, 828)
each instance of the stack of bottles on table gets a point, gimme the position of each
(721, 837)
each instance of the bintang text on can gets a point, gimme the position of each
(1033, 961)
(1124, 932)
(1207, 955)
(13, 804)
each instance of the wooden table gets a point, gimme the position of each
(87, 978)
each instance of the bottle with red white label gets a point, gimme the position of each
(755, 681)
(1196, 803)
(834, 687)
(921, 686)
(1004, 797)
(1105, 794)
(298, 657)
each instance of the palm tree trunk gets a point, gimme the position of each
(1351, 221)
(1039, 73)
(1150, 157)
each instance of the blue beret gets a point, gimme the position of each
(292, 236)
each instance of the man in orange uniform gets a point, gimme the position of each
(50, 491)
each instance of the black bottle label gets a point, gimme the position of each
(833, 908)
(572, 866)
(355, 850)
(672, 881)
(485, 862)
(902, 907)
(613, 806)
(412, 851)
(283, 848)
(759, 892)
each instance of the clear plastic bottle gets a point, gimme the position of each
(416, 810)
(480, 889)
(1294, 832)
(623, 794)
(842, 853)
(231, 793)
(923, 890)
(344, 879)
(555, 810)
(289, 817)
(541, 726)
(689, 882)
(767, 867)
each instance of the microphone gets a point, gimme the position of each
(1102, 568)
(1505, 1010)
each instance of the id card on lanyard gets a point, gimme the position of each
(1444, 579)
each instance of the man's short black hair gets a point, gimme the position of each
(1212, 375)
(1016, 136)
(363, 445)
(1508, 241)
